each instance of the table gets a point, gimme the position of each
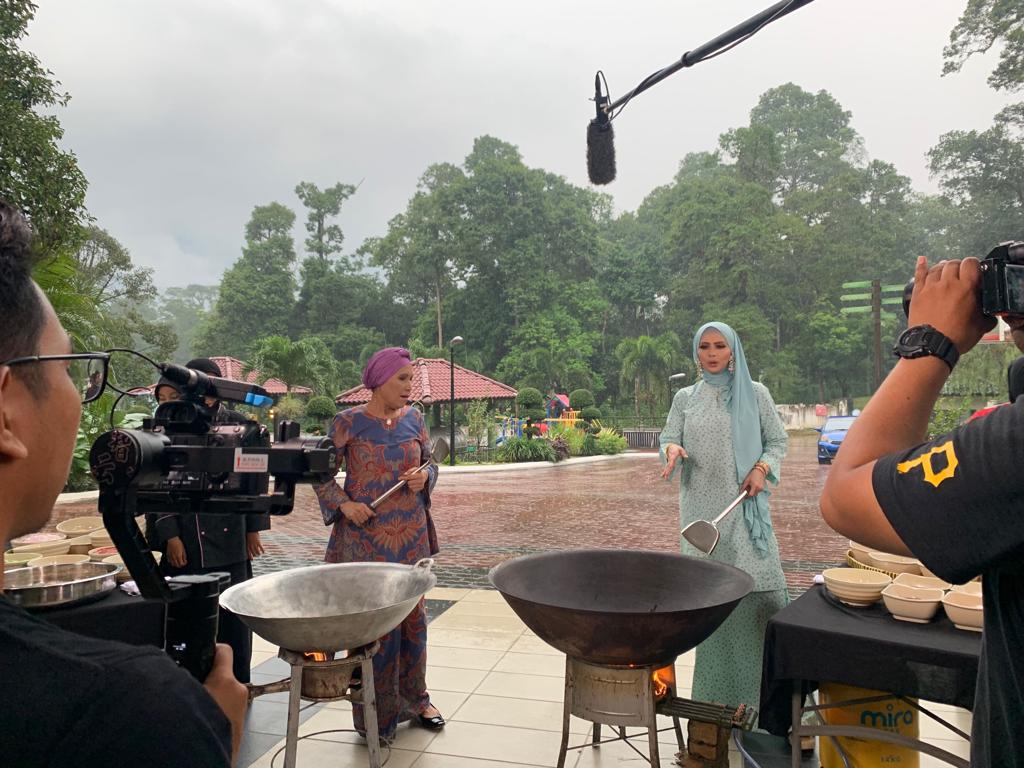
(817, 638)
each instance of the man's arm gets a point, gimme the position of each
(896, 418)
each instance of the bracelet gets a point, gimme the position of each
(763, 466)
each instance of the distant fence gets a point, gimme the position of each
(641, 437)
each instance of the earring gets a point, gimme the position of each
(732, 365)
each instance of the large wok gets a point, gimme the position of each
(620, 606)
(329, 607)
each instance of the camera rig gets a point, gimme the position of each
(189, 459)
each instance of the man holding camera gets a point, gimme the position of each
(957, 502)
(66, 699)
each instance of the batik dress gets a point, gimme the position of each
(728, 664)
(375, 451)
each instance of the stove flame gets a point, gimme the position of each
(318, 656)
(664, 680)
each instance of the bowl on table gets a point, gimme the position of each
(970, 588)
(860, 552)
(57, 547)
(79, 526)
(123, 575)
(894, 563)
(964, 610)
(39, 562)
(916, 604)
(856, 586)
(80, 545)
(18, 559)
(921, 582)
(98, 553)
(100, 538)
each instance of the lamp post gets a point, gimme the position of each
(451, 396)
(675, 377)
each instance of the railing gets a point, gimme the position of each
(642, 437)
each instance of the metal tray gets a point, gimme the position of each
(59, 585)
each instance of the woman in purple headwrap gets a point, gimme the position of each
(381, 443)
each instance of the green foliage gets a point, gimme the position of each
(36, 176)
(947, 417)
(324, 239)
(571, 437)
(289, 407)
(984, 24)
(580, 399)
(982, 372)
(519, 449)
(590, 413)
(307, 362)
(608, 441)
(478, 420)
(321, 408)
(530, 397)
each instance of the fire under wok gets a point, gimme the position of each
(341, 606)
(620, 607)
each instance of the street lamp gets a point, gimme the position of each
(451, 395)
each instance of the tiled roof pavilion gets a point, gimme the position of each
(430, 384)
(232, 368)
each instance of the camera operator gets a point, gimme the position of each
(956, 502)
(203, 543)
(68, 699)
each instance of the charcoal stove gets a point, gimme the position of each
(331, 678)
(622, 617)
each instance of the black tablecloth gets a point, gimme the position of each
(115, 617)
(817, 638)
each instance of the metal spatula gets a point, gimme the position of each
(704, 535)
(438, 453)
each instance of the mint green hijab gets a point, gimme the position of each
(741, 402)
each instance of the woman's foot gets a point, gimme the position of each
(431, 719)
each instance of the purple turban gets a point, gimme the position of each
(383, 365)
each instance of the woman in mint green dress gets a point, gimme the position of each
(723, 434)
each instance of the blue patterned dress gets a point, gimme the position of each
(375, 451)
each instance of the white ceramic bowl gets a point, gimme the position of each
(18, 559)
(80, 545)
(894, 563)
(41, 538)
(921, 582)
(856, 586)
(59, 547)
(123, 575)
(39, 562)
(964, 610)
(79, 526)
(916, 604)
(970, 588)
(860, 552)
(100, 538)
(98, 553)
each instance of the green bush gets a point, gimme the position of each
(320, 408)
(289, 407)
(520, 449)
(531, 403)
(580, 399)
(591, 412)
(589, 446)
(573, 438)
(609, 441)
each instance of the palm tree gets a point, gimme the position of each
(307, 362)
(646, 364)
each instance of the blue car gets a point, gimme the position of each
(832, 433)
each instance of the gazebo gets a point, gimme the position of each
(431, 386)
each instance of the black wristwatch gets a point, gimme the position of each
(924, 340)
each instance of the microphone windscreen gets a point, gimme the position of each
(600, 152)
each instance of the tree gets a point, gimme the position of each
(646, 365)
(256, 297)
(106, 273)
(321, 204)
(307, 362)
(983, 24)
(36, 175)
(183, 309)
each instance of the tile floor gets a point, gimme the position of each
(499, 687)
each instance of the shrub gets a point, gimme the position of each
(561, 448)
(580, 399)
(573, 438)
(520, 449)
(289, 407)
(531, 403)
(320, 408)
(609, 441)
(589, 446)
(591, 412)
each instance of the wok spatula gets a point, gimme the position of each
(703, 535)
(438, 453)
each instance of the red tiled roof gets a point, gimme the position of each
(431, 380)
(231, 368)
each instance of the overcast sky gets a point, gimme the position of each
(187, 113)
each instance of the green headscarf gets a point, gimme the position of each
(741, 402)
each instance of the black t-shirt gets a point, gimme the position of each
(958, 504)
(72, 700)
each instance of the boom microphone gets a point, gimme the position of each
(600, 140)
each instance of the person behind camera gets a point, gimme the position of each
(203, 543)
(955, 502)
(67, 699)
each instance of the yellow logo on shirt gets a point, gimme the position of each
(925, 462)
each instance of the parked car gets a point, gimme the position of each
(832, 433)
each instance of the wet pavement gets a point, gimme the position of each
(485, 518)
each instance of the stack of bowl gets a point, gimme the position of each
(123, 575)
(40, 562)
(41, 544)
(893, 563)
(80, 526)
(100, 538)
(856, 586)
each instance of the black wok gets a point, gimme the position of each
(620, 607)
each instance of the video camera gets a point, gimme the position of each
(1002, 281)
(186, 459)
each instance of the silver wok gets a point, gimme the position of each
(330, 607)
